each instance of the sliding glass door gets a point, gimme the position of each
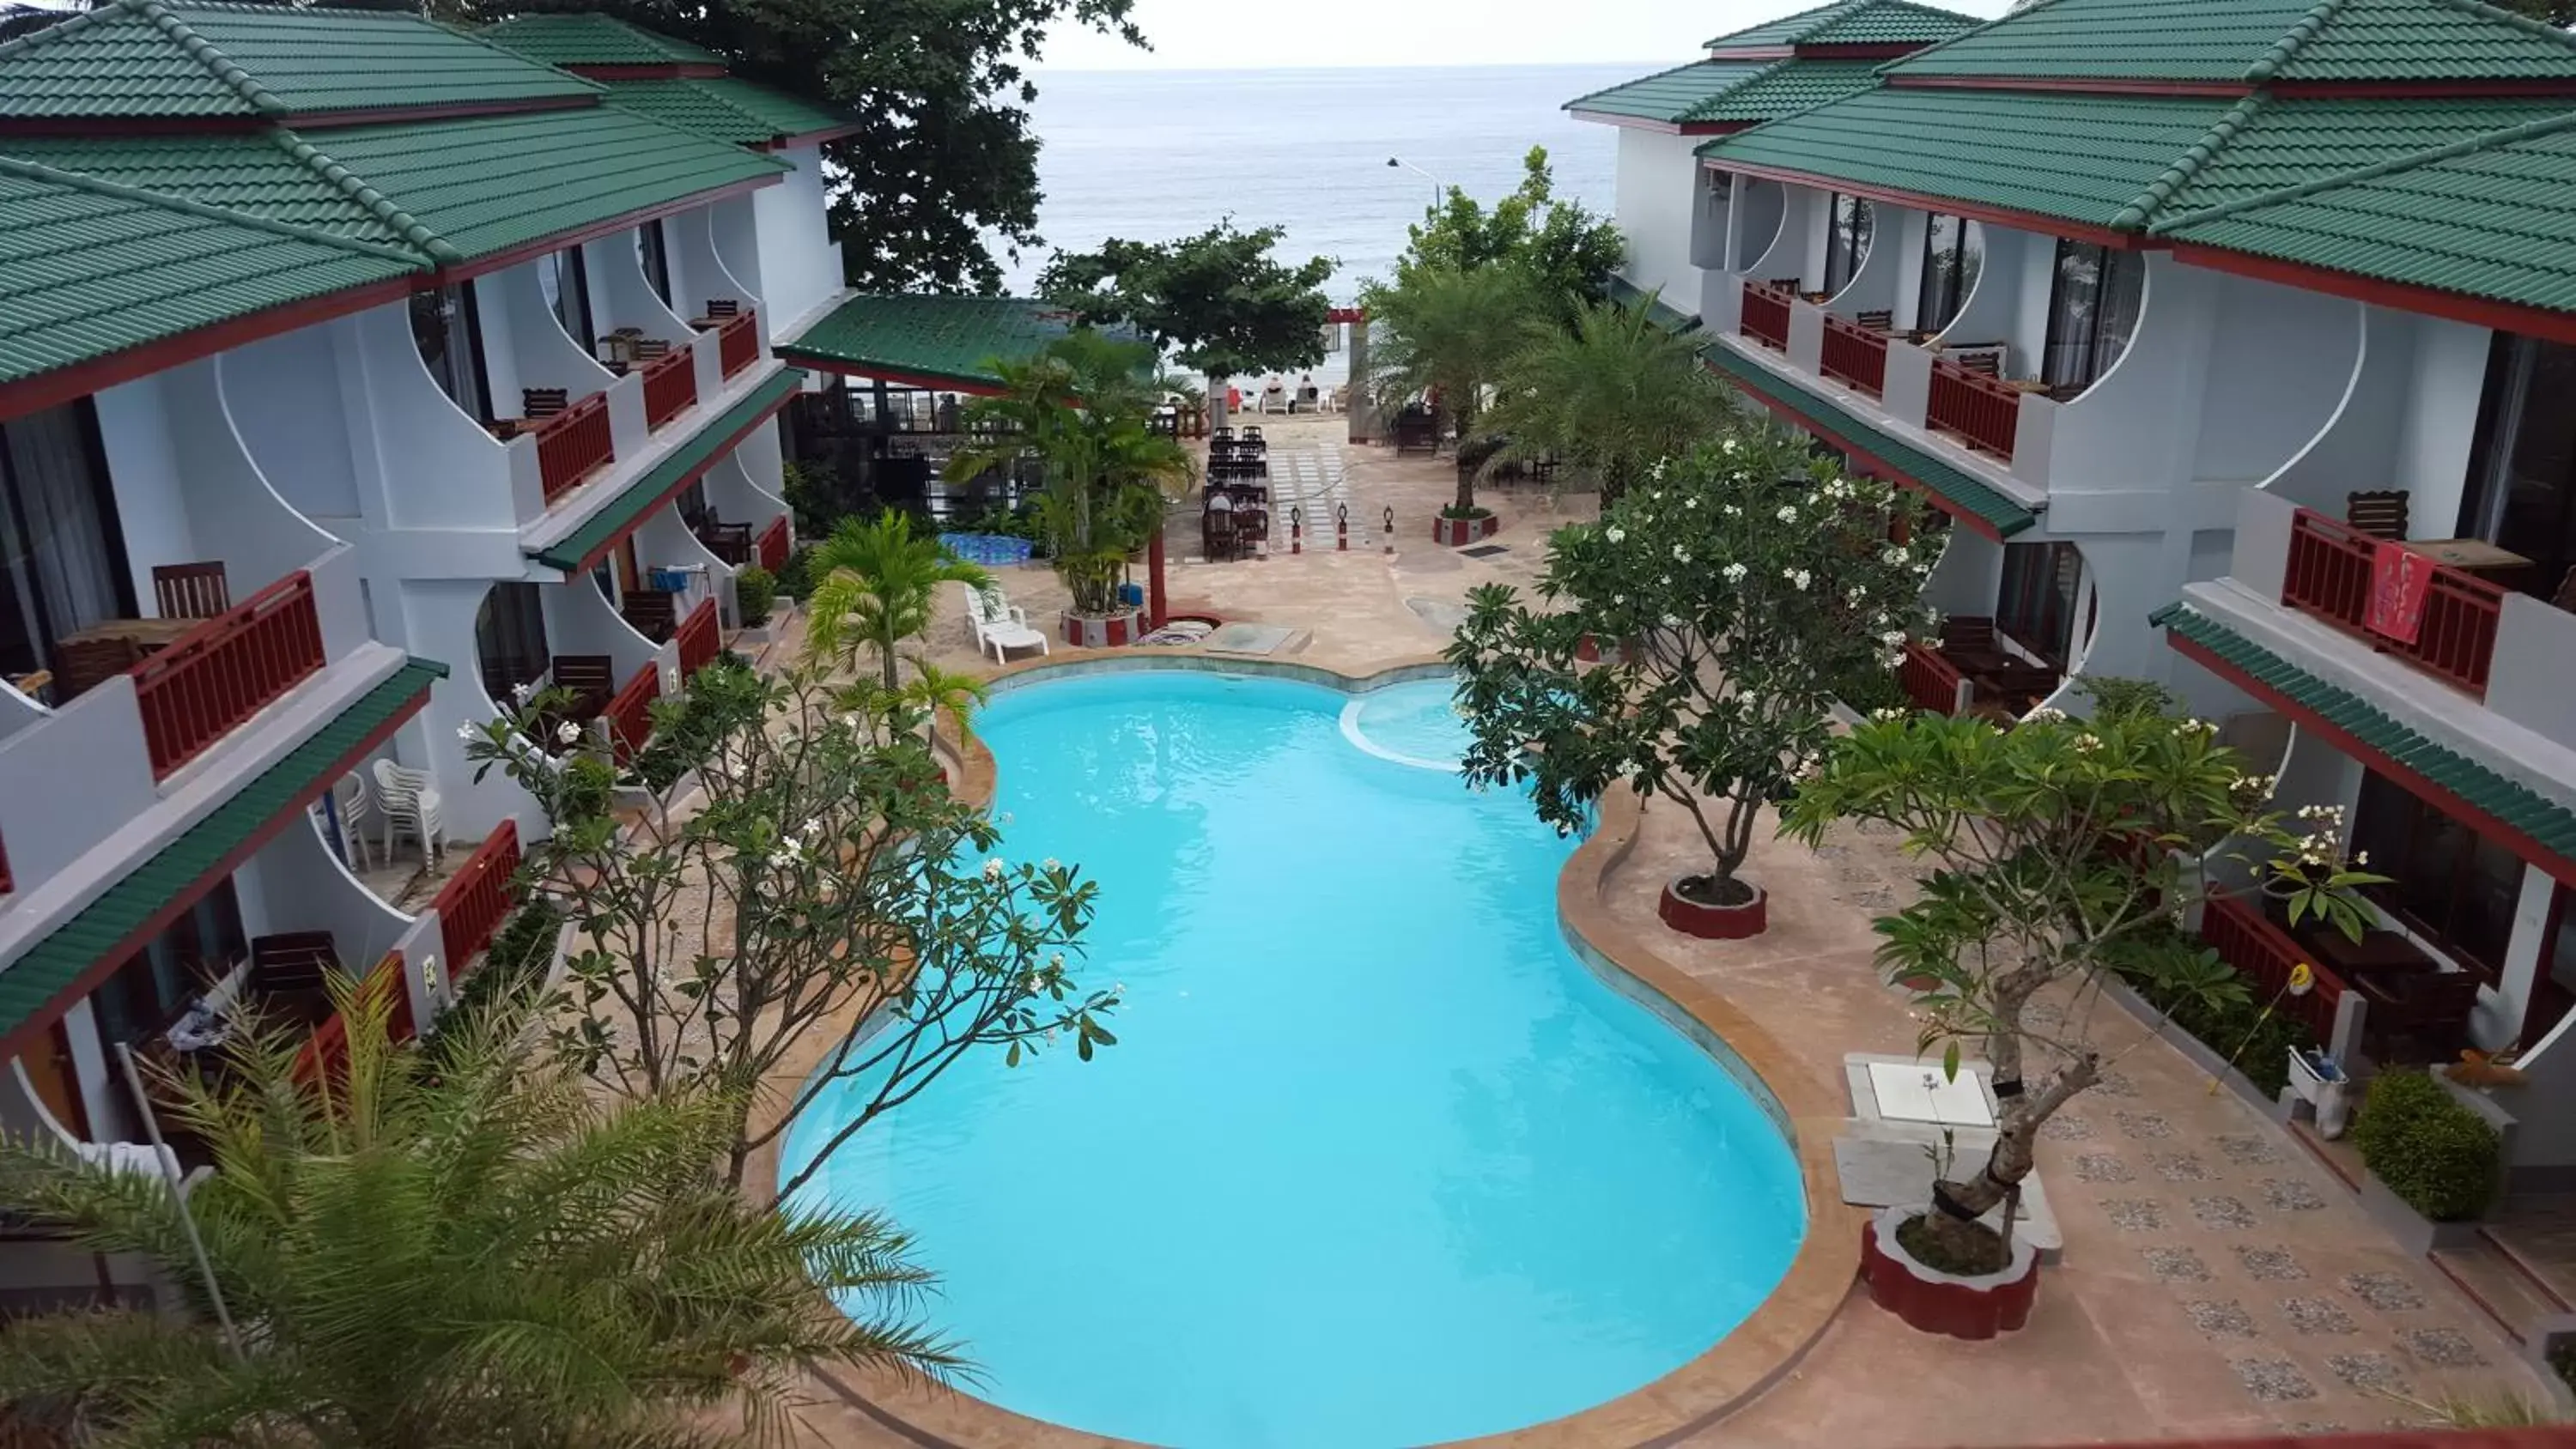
(2521, 492)
(1847, 245)
(1954, 253)
(62, 554)
(2093, 311)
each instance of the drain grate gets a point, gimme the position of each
(1484, 550)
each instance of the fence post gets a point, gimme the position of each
(1296, 530)
(1341, 528)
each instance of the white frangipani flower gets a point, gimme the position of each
(467, 733)
(1615, 534)
(1787, 514)
(1050, 864)
(1733, 573)
(993, 869)
(1680, 554)
(567, 732)
(1728, 446)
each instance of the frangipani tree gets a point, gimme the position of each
(1731, 592)
(2057, 846)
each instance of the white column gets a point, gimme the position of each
(2501, 1008)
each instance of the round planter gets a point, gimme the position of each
(1456, 531)
(1713, 923)
(1935, 1302)
(1588, 651)
(1103, 631)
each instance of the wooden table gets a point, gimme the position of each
(149, 635)
(2468, 555)
(2378, 952)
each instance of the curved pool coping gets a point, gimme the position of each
(1731, 1373)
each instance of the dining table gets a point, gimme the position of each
(148, 635)
(2468, 555)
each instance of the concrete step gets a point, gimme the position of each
(2498, 1286)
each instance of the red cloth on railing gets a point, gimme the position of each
(2399, 579)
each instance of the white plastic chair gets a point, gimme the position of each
(410, 802)
(356, 807)
(999, 624)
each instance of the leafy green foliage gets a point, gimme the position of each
(514, 963)
(878, 586)
(1448, 332)
(1749, 579)
(720, 700)
(2436, 1153)
(459, 1246)
(2204, 997)
(1219, 298)
(796, 578)
(755, 593)
(1563, 253)
(1611, 394)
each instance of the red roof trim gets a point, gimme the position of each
(2409, 90)
(62, 385)
(88, 126)
(2398, 296)
(1716, 128)
(1874, 50)
(721, 452)
(1921, 200)
(557, 241)
(2529, 850)
(115, 956)
(1933, 496)
(1751, 52)
(810, 138)
(1633, 123)
(649, 70)
(2083, 85)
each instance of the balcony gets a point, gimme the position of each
(772, 548)
(2263, 953)
(630, 714)
(738, 343)
(1766, 312)
(670, 387)
(700, 641)
(478, 898)
(1854, 355)
(1974, 407)
(1931, 681)
(2347, 578)
(574, 445)
(1971, 672)
(227, 669)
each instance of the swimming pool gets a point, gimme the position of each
(1376, 1161)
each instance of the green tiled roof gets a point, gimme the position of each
(591, 39)
(89, 268)
(734, 110)
(1956, 487)
(2254, 40)
(1670, 95)
(248, 173)
(671, 474)
(946, 339)
(50, 967)
(2552, 824)
(157, 58)
(1850, 22)
(2491, 217)
(1785, 87)
(1666, 315)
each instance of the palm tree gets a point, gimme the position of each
(1084, 408)
(943, 694)
(879, 583)
(1614, 395)
(455, 1244)
(1449, 331)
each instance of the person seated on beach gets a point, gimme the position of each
(1274, 395)
(1307, 397)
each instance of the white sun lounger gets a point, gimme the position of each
(999, 624)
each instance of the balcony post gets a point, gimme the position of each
(1806, 336)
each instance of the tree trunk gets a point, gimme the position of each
(2023, 1115)
(885, 653)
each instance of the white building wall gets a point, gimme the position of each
(1657, 181)
(2440, 423)
(188, 490)
(799, 266)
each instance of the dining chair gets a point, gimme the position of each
(191, 590)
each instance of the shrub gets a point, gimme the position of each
(2431, 1149)
(796, 576)
(686, 732)
(2170, 971)
(519, 954)
(755, 592)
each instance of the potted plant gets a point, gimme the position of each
(1743, 582)
(1084, 409)
(2060, 847)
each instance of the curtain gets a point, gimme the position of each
(66, 569)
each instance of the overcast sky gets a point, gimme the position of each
(1200, 35)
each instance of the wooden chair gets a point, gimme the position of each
(592, 678)
(1983, 361)
(647, 349)
(1790, 285)
(1880, 320)
(83, 665)
(190, 590)
(2380, 513)
(544, 402)
(723, 308)
(2420, 1016)
(729, 542)
(1969, 634)
(290, 975)
(655, 613)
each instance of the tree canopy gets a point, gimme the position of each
(1563, 250)
(1220, 299)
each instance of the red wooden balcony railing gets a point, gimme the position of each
(2263, 953)
(574, 444)
(227, 669)
(479, 897)
(670, 387)
(699, 641)
(771, 548)
(1983, 411)
(1766, 315)
(1930, 680)
(1855, 355)
(738, 343)
(2328, 574)
(630, 713)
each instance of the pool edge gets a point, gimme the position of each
(1730, 1374)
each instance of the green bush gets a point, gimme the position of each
(2171, 972)
(518, 957)
(796, 576)
(755, 592)
(724, 696)
(2437, 1154)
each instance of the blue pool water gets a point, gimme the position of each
(1376, 1161)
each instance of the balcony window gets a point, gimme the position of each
(1954, 254)
(2521, 492)
(2036, 606)
(62, 552)
(2092, 313)
(2452, 887)
(510, 639)
(450, 339)
(1847, 243)
(655, 257)
(151, 989)
(565, 280)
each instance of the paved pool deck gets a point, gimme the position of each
(2216, 1279)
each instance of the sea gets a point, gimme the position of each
(1154, 155)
